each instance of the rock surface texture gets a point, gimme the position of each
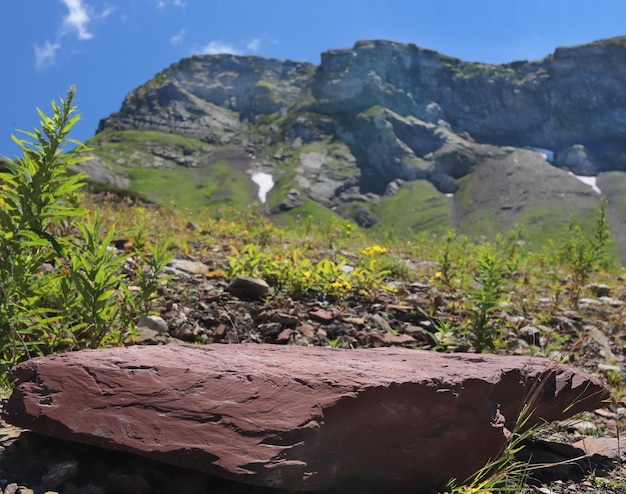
(300, 418)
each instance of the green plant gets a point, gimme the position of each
(336, 343)
(441, 336)
(506, 472)
(149, 276)
(62, 285)
(484, 299)
(447, 267)
(583, 253)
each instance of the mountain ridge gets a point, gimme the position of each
(352, 131)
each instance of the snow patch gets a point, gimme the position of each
(590, 181)
(548, 154)
(265, 182)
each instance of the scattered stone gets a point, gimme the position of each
(59, 473)
(292, 200)
(420, 333)
(191, 267)
(382, 324)
(116, 483)
(192, 225)
(325, 316)
(605, 446)
(608, 368)
(599, 290)
(296, 417)
(365, 218)
(389, 339)
(248, 288)
(147, 336)
(284, 336)
(154, 323)
(577, 159)
(531, 335)
(286, 319)
(393, 187)
(183, 332)
(270, 328)
(306, 330)
(357, 321)
(583, 427)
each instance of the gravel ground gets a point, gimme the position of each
(200, 309)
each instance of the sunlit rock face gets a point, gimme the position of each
(298, 418)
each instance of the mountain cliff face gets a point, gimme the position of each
(387, 129)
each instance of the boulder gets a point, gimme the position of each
(299, 418)
(248, 288)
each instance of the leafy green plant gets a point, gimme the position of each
(62, 285)
(506, 472)
(583, 253)
(149, 276)
(293, 272)
(92, 282)
(440, 336)
(484, 299)
(447, 267)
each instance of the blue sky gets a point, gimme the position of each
(109, 47)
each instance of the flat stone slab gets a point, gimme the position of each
(299, 418)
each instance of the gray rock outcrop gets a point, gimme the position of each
(380, 112)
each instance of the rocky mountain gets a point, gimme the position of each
(389, 134)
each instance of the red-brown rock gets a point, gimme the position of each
(300, 418)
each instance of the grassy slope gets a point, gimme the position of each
(417, 207)
(197, 188)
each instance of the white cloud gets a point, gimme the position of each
(45, 54)
(106, 12)
(161, 4)
(253, 45)
(217, 46)
(77, 19)
(76, 22)
(177, 39)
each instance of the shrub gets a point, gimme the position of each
(61, 284)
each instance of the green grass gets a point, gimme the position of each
(416, 208)
(207, 186)
(297, 216)
(128, 139)
(195, 188)
(616, 41)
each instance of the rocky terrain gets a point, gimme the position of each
(380, 131)
(201, 306)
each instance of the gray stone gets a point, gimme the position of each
(59, 473)
(599, 289)
(191, 267)
(247, 287)
(576, 159)
(155, 323)
(365, 218)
